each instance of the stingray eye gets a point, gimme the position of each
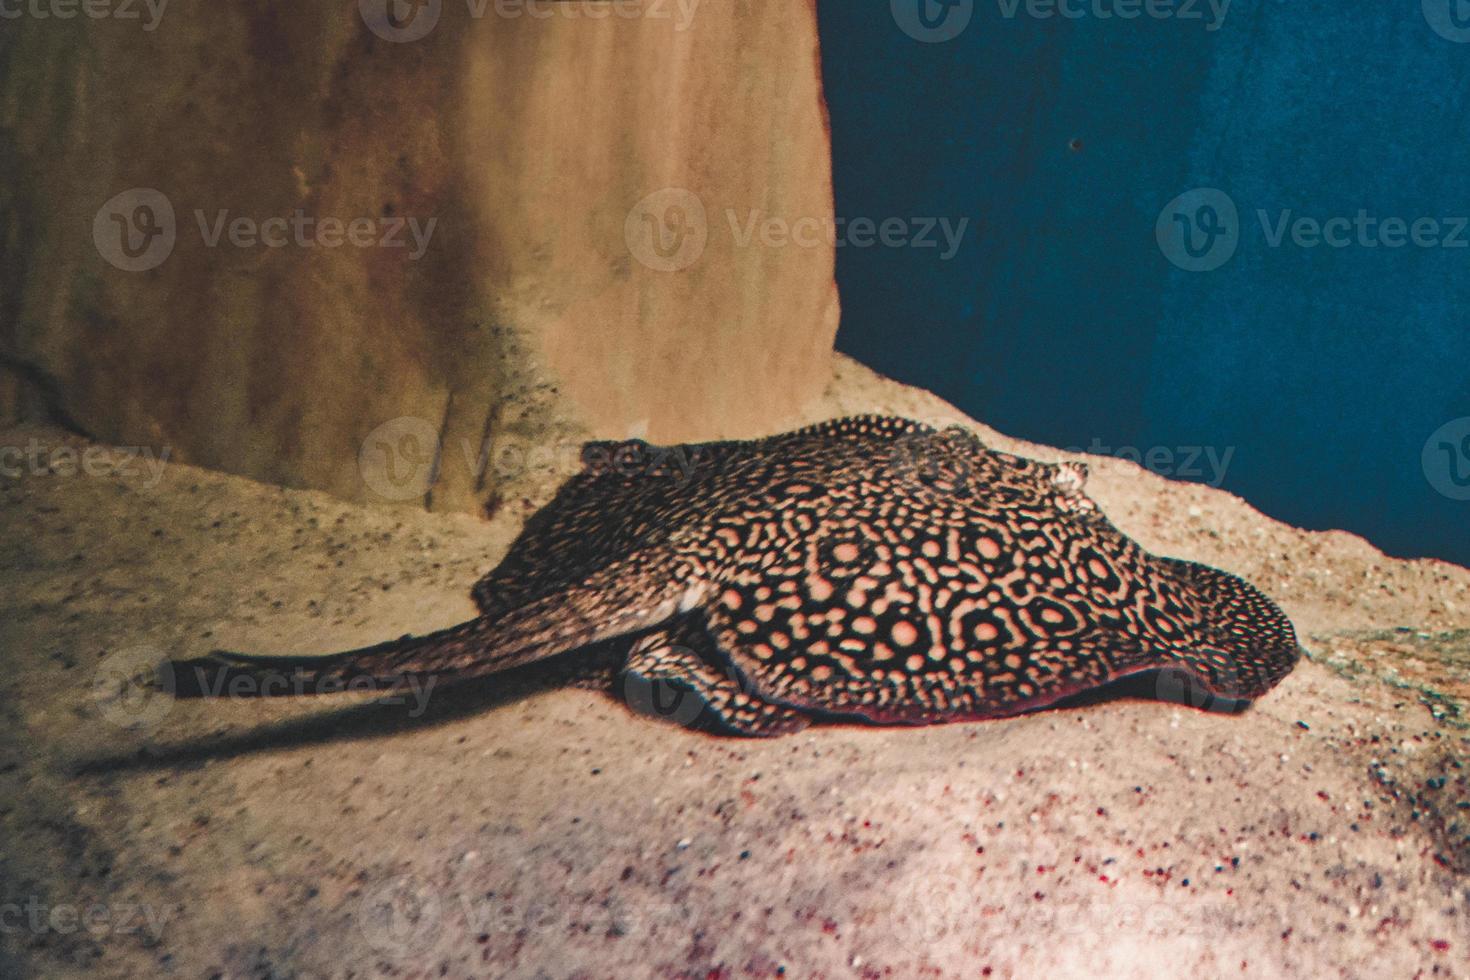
(1069, 477)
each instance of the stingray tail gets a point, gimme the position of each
(383, 666)
(571, 619)
(1249, 643)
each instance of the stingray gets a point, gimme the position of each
(867, 569)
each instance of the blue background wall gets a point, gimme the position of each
(1062, 318)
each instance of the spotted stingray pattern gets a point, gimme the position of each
(870, 568)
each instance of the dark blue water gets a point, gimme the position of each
(1315, 367)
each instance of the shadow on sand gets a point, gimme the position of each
(389, 714)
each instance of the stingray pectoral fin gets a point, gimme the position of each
(1248, 645)
(1208, 635)
(679, 673)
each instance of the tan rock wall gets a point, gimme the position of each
(537, 148)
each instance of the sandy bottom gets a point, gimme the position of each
(509, 830)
